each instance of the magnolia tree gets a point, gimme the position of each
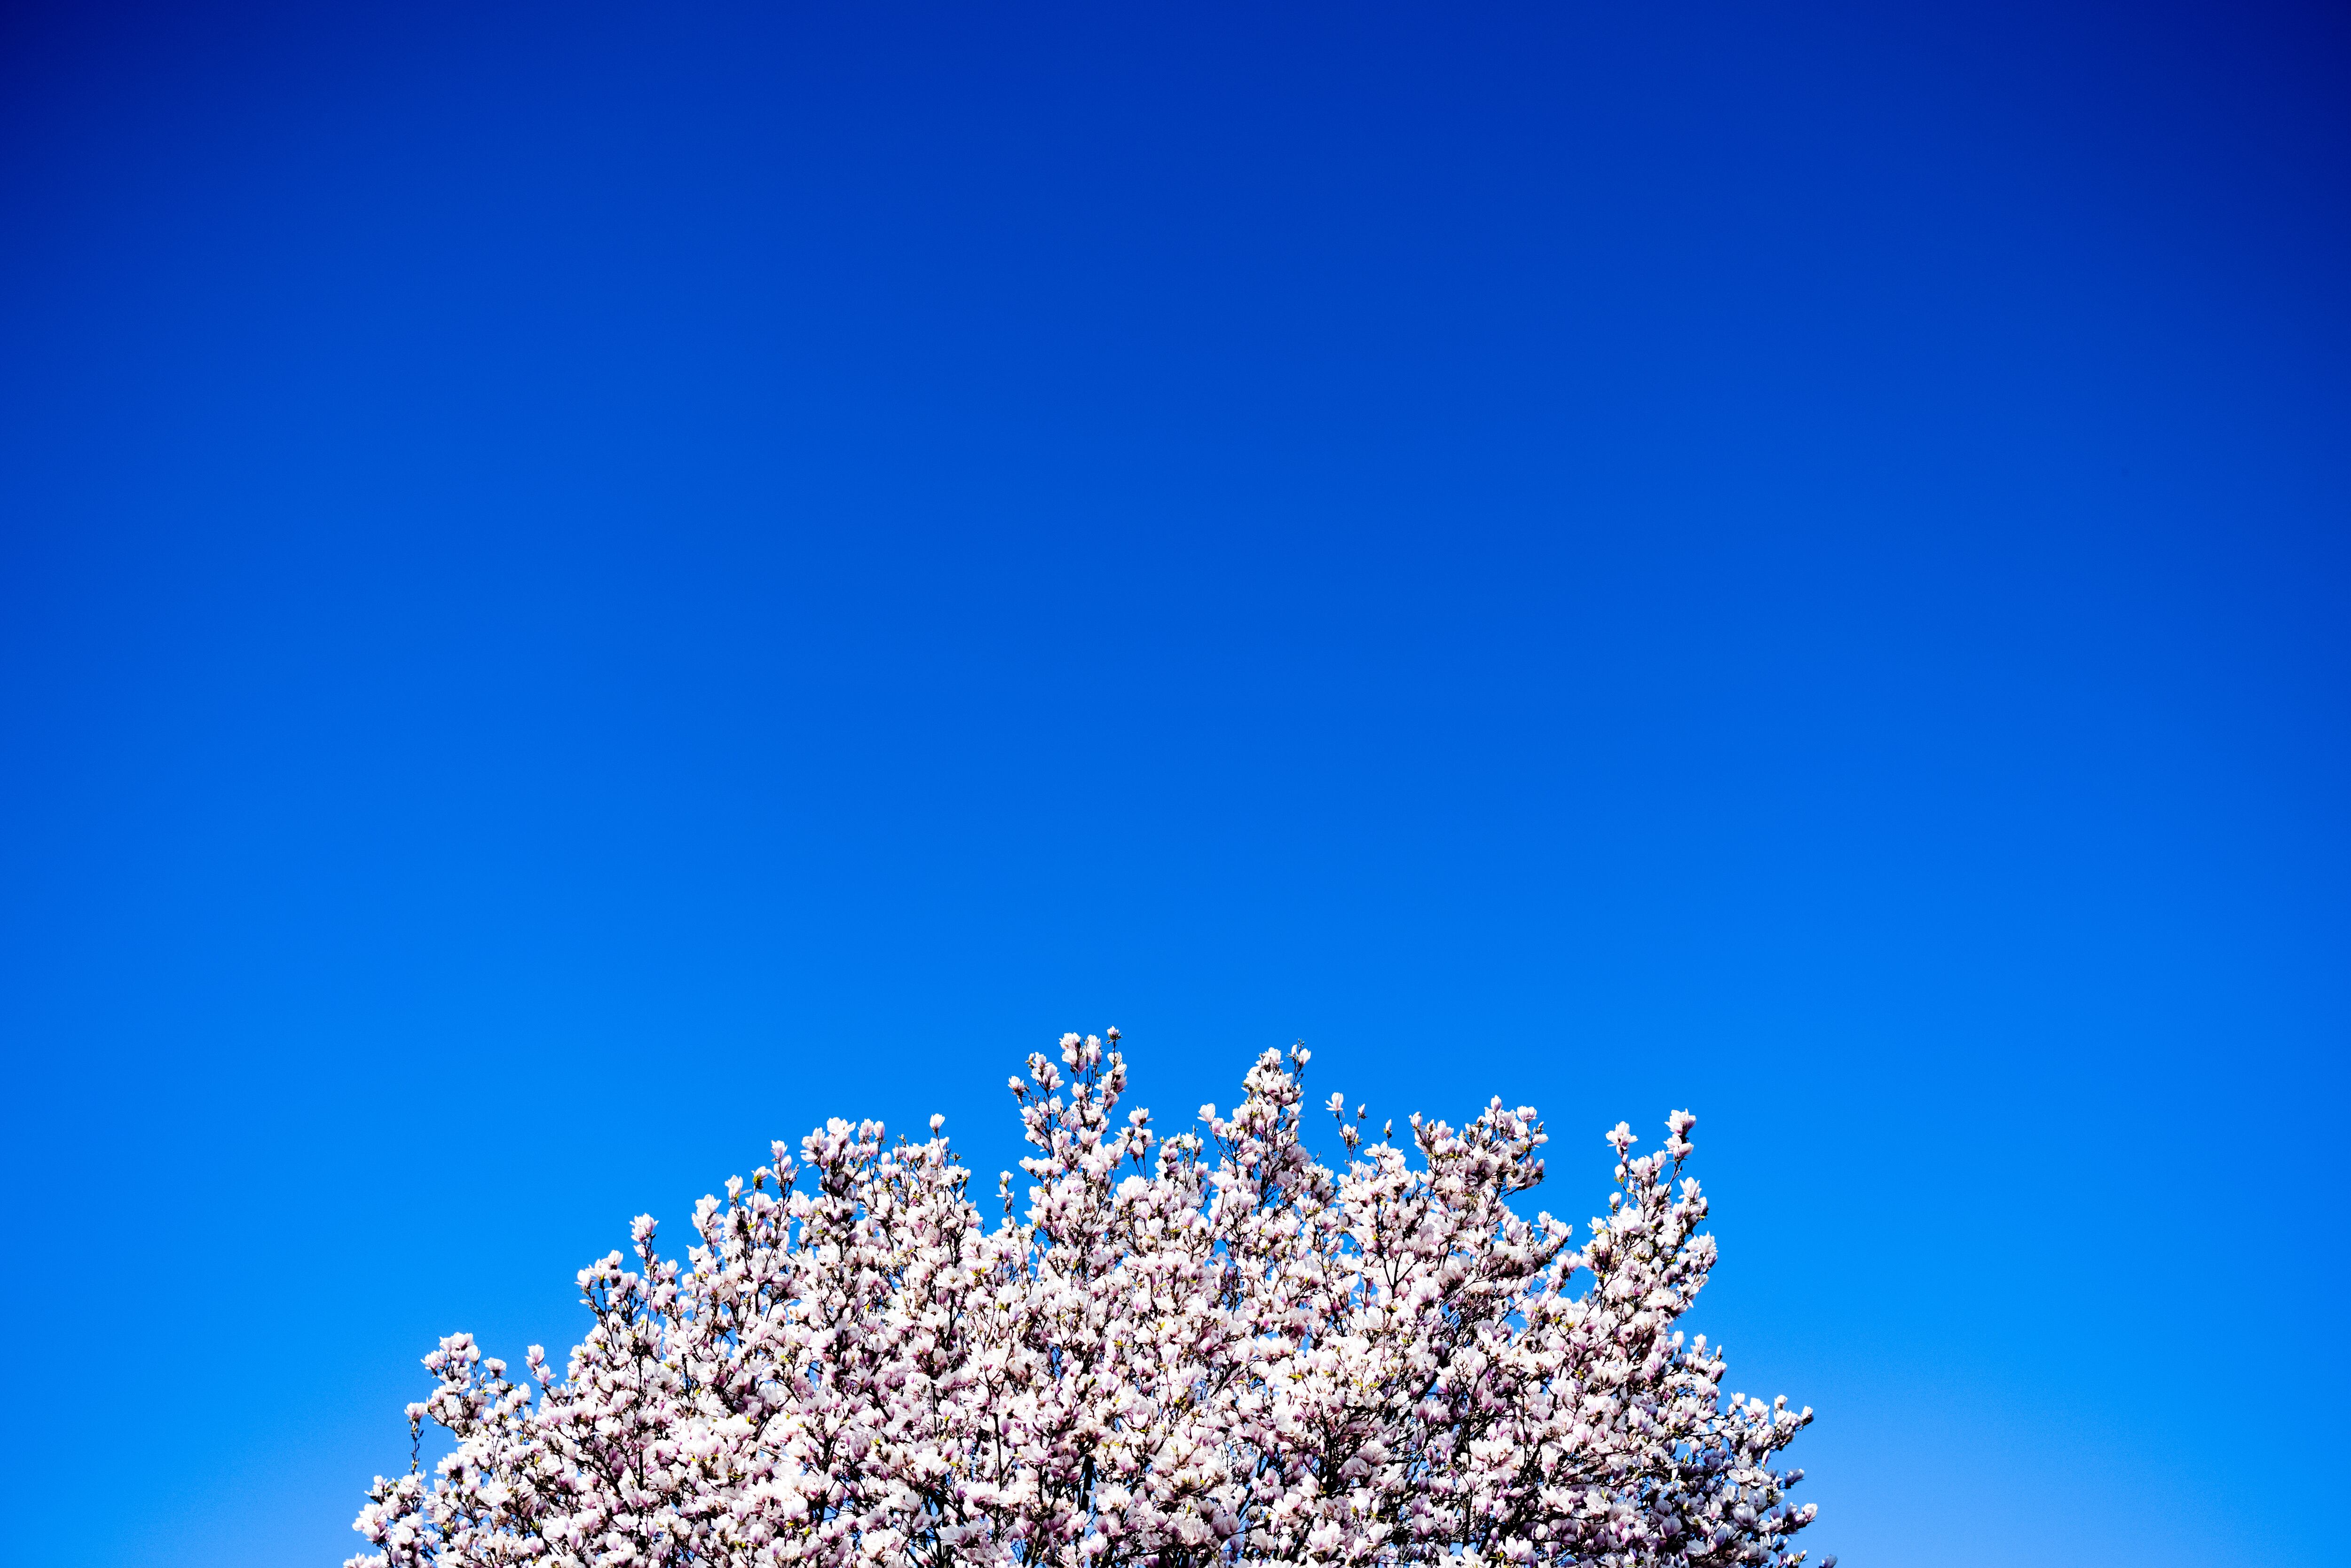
(1188, 1351)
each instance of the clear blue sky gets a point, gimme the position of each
(584, 587)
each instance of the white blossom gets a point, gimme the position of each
(1204, 1349)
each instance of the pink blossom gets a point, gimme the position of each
(1194, 1352)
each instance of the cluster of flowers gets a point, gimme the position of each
(1190, 1351)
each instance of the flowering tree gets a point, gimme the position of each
(1204, 1349)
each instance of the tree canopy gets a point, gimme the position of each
(1185, 1352)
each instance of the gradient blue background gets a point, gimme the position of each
(585, 587)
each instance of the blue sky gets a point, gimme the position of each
(582, 588)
